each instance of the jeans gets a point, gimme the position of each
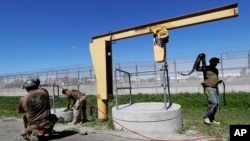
(213, 102)
(78, 110)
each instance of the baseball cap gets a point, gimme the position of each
(214, 59)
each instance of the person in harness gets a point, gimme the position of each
(210, 85)
(36, 107)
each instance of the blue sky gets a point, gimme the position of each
(43, 34)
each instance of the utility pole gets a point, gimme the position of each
(73, 55)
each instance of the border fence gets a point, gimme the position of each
(234, 70)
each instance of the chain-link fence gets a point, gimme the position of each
(233, 70)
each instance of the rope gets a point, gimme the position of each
(224, 95)
(144, 136)
(151, 139)
(200, 57)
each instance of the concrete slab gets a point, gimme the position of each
(148, 117)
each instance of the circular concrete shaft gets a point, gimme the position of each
(60, 113)
(149, 117)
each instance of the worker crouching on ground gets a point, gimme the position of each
(210, 86)
(78, 105)
(36, 106)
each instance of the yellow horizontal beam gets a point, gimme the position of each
(219, 13)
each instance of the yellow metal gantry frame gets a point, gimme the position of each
(101, 47)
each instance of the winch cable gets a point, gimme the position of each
(200, 57)
(224, 95)
(151, 139)
(204, 65)
(144, 136)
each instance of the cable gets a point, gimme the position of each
(200, 57)
(224, 95)
(144, 136)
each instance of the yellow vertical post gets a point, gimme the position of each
(101, 53)
(102, 109)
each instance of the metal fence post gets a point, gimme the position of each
(175, 76)
(136, 70)
(222, 69)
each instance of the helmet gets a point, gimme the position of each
(31, 83)
(214, 59)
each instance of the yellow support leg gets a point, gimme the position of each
(103, 109)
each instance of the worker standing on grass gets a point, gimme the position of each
(78, 105)
(210, 86)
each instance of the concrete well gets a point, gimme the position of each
(59, 112)
(149, 117)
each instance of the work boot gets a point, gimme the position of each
(207, 121)
(72, 123)
(33, 136)
(23, 132)
(215, 122)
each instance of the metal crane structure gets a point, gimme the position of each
(101, 46)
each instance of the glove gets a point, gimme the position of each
(220, 81)
(202, 56)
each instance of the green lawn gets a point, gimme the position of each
(192, 105)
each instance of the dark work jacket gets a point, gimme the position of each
(211, 79)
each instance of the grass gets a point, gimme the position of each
(192, 105)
